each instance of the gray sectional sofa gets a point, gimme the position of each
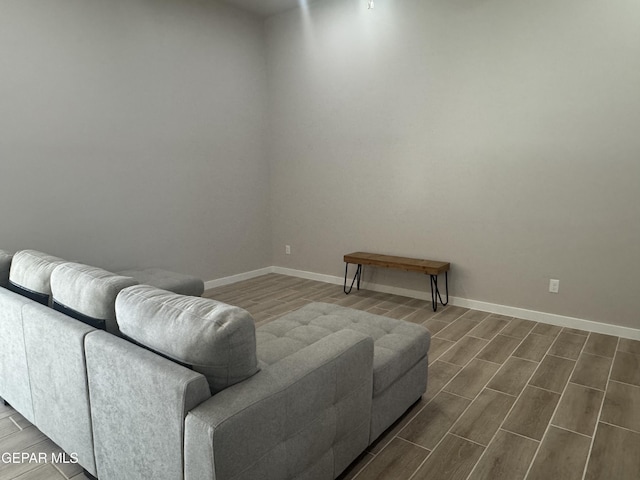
(182, 387)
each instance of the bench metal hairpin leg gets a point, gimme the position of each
(435, 292)
(356, 276)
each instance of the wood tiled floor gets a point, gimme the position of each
(507, 398)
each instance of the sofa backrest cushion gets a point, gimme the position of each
(88, 294)
(30, 274)
(213, 338)
(5, 265)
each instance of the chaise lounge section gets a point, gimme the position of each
(399, 360)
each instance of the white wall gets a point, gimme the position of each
(132, 134)
(499, 135)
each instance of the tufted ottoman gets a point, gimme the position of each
(399, 359)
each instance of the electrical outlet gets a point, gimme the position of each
(554, 285)
(287, 249)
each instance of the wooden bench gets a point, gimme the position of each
(428, 267)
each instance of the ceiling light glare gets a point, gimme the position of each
(370, 5)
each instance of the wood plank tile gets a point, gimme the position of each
(575, 331)
(289, 295)
(592, 371)
(518, 328)
(533, 347)
(285, 307)
(46, 447)
(483, 417)
(440, 373)
(489, 328)
(451, 313)
(507, 458)
(546, 329)
(457, 329)
(44, 472)
(562, 455)
(348, 300)
(18, 441)
(532, 412)
(6, 410)
(421, 315)
(398, 460)
(262, 306)
(513, 376)
(499, 349)
(7, 427)
(318, 295)
(472, 378)
(452, 460)
(464, 350)
(400, 312)
(615, 454)
(392, 301)
(434, 325)
(553, 373)
(622, 406)
(429, 426)
(579, 408)
(599, 344)
(20, 421)
(567, 345)
(420, 304)
(626, 368)
(438, 347)
(476, 315)
(629, 346)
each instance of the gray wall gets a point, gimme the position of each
(499, 135)
(132, 134)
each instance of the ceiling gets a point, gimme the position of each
(266, 7)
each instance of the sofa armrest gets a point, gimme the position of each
(306, 416)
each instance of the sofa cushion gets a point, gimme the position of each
(30, 274)
(398, 345)
(88, 294)
(5, 265)
(213, 338)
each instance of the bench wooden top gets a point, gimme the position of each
(430, 267)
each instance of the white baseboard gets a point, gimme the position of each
(220, 282)
(308, 275)
(542, 317)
